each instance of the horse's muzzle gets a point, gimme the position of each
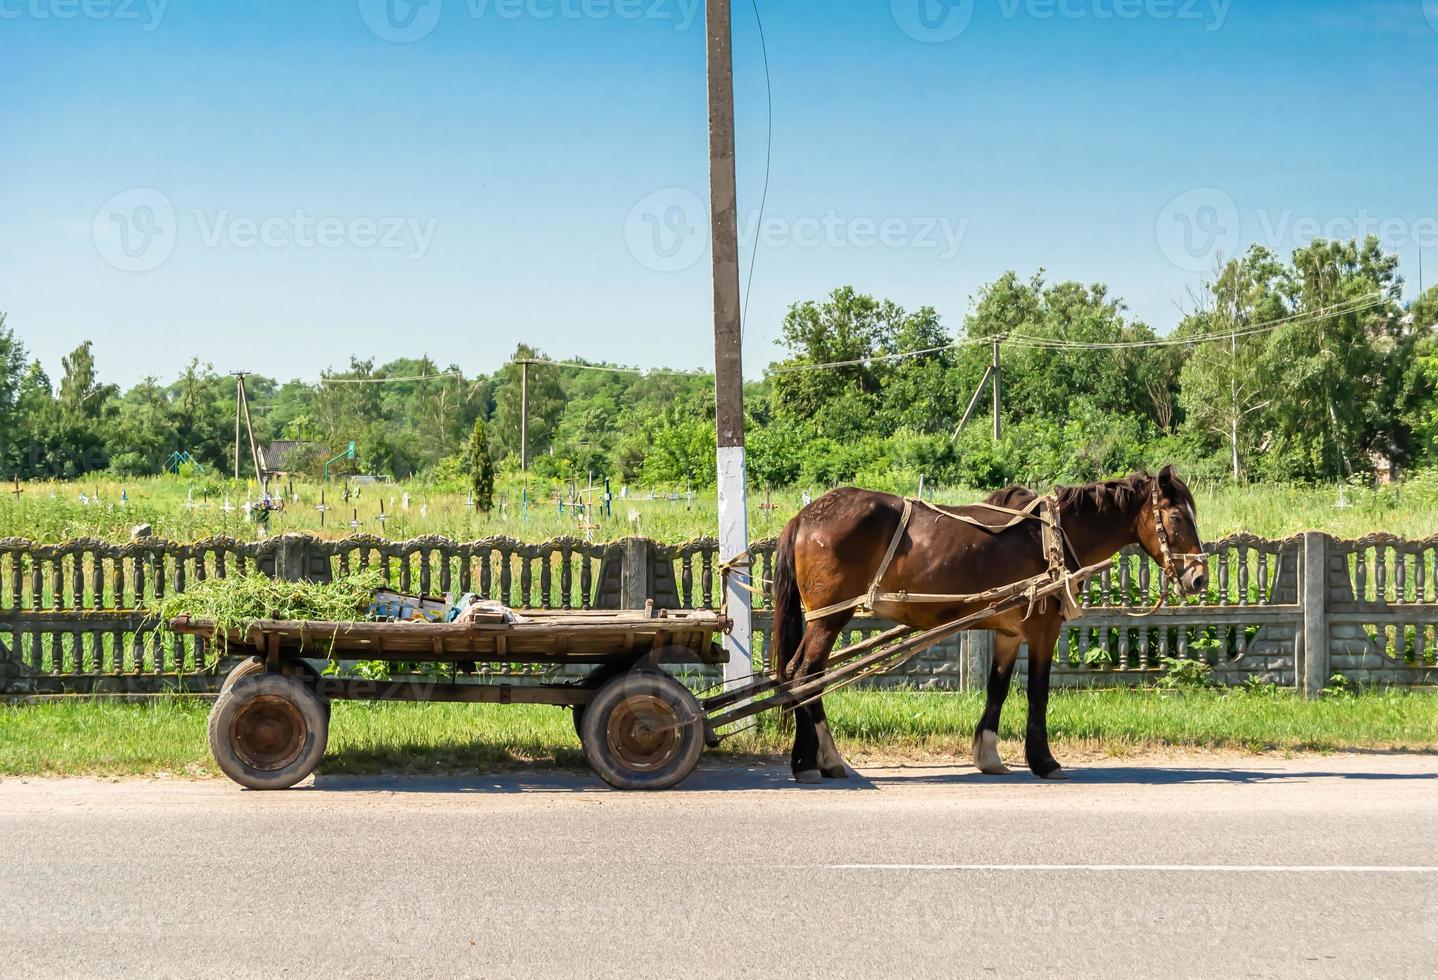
(1195, 580)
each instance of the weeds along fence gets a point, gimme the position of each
(1292, 613)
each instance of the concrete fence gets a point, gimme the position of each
(1295, 612)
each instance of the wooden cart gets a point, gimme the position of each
(640, 728)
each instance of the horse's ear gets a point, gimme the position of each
(1166, 477)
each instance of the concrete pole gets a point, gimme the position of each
(524, 415)
(728, 339)
(998, 371)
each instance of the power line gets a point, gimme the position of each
(390, 380)
(1357, 305)
(768, 166)
(1058, 344)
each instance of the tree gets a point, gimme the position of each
(12, 376)
(546, 403)
(871, 392)
(1046, 369)
(1330, 365)
(1225, 391)
(481, 468)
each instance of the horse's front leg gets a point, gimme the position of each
(1042, 637)
(986, 738)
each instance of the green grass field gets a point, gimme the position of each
(185, 509)
(112, 738)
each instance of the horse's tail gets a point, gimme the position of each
(788, 631)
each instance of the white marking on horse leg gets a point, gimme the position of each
(986, 754)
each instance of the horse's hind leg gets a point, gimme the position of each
(831, 763)
(986, 738)
(814, 755)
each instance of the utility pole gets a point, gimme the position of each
(242, 410)
(728, 342)
(239, 387)
(524, 415)
(998, 370)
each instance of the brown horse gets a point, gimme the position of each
(834, 548)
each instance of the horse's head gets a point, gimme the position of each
(1168, 531)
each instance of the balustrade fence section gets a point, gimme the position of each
(79, 616)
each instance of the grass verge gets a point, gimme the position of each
(112, 738)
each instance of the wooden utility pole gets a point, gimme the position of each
(242, 410)
(998, 370)
(728, 340)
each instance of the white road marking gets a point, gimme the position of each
(1204, 868)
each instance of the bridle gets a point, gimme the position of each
(1174, 563)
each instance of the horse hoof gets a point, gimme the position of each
(809, 777)
(840, 773)
(1058, 775)
(986, 755)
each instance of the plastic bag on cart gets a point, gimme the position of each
(472, 609)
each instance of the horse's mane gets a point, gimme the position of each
(1108, 496)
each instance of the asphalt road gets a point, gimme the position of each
(1315, 867)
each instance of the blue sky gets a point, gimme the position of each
(274, 186)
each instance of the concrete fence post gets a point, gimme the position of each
(634, 587)
(1313, 672)
(976, 657)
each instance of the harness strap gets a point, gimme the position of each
(1053, 542)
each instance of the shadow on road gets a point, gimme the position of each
(705, 779)
(748, 777)
(1134, 776)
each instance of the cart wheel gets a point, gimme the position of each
(643, 730)
(256, 665)
(268, 731)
